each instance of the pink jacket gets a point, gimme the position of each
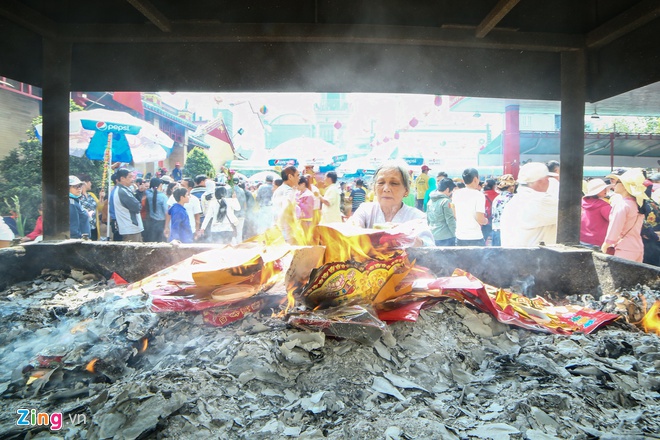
(624, 231)
(306, 205)
(595, 219)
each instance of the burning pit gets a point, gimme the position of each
(76, 344)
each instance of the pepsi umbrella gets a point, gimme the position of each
(133, 139)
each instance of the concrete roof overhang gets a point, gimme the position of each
(508, 49)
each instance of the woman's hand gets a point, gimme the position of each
(605, 247)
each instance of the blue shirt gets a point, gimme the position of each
(180, 224)
(78, 219)
(177, 174)
(111, 204)
(156, 212)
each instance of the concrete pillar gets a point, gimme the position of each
(55, 150)
(571, 149)
(511, 147)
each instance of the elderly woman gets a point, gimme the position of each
(391, 185)
(626, 217)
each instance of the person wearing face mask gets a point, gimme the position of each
(78, 217)
(391, 185)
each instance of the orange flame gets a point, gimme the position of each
(651, 321)
(345, 242)
(90, 365)
(145, 344)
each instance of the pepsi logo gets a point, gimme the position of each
(101, 126)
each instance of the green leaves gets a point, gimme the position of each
(197, 162)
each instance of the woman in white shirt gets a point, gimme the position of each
(220, 212)
(391, 184)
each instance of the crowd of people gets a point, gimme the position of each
(619, 213)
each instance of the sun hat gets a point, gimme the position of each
(655, 177)
(533, 171)
(505, 181)
(615, 174)
(633, 182)
(73, 181)
(595, 186)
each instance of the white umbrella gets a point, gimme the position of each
(308, 151)
(261, 176)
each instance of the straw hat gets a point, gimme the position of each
(595, 186)
(633, 182)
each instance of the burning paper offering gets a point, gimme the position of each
(351, 282)
(511, 308)
(344, 241)
(323, 285)
(235, 279)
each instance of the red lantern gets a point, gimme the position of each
(386, 139)
(438, 100)
(413, 122)
(396, 135)
(337, 125)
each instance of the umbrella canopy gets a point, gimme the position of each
(308, 151)
(133, 139)
(261, 176)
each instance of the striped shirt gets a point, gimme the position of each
(358, 195)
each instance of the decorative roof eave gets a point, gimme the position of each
(160, 112)
(198, 142)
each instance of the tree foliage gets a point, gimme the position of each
(20, 174)
(197, 162)
(626, 124)
(636, 125)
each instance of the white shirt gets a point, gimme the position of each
(467, 202)
(225, 225)
(331, 213)
(5, 231)
(370, 214)
(529, 218)
(194, 206)
(284, 210)
(553, 186)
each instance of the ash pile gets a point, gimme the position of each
(75, 344)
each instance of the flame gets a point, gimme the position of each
(651, 321)
(90, 365)
(345, 242)
(145, 344)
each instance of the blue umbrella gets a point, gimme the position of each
(133, 139)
